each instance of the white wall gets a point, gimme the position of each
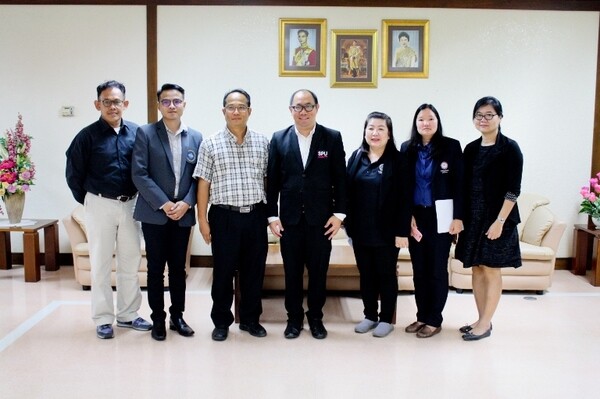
(541, 65)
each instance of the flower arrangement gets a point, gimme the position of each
(591, 197)
(17, 171)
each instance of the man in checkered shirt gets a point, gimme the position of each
(231, 168)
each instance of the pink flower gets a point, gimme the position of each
(25, 187)
(11, 189)
(27, 175)
(593, 181)
(9, 177)
(7, 164)
(592, 197)
(597, 188)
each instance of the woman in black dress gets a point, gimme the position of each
(493, 170)
(377, 221)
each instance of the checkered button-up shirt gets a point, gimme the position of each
(236, 172)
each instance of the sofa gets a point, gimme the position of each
(539, 235)
(75, 226)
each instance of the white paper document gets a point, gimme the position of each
(445, 214)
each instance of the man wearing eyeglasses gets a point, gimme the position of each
(164, 158)
(98, 173)
(307, 178)
(231, 171)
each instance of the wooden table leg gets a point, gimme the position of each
(595, 277)
(5, 251)
(31, 253)
(51, 248)
(581, 249)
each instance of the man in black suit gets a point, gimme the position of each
(306, 173)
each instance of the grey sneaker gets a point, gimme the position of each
(105, 331)
(137, 324)
(365, 326)
(383, 329)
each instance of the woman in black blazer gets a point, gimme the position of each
(435, 171)
(377, 221)
(493, 171)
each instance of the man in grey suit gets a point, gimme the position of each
(164, 158)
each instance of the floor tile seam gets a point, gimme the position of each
(28, 324)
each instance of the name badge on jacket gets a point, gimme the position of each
(322, 154)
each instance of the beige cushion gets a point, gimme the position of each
(79, 216)
(537, 225)
(527, 203)
(535, 252)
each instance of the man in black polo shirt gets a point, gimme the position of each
(99, 175)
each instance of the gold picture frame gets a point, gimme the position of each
(354, 58)
(405, 48)
(302, 47)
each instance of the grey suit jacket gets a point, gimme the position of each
(153, 173)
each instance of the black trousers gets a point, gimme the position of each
(429, 259)
(239, 242)
(166, 244)
(304, 245)
(377, 267)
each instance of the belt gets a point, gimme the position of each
(240, 209)
(122, 198)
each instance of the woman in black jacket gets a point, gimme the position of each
(435, 170)
(493, 171)
(377, 221)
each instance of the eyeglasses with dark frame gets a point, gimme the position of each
(238, 108)
(165, 102)
(488, 117)
(300, 107)
(109, 103)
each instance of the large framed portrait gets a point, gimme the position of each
(354, 54)
(302, 47)
(405, 48)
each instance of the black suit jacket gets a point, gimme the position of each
(393, 211)
(448, 173)
(318, 190)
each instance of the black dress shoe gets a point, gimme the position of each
(220, 334)
(254, 328)
(472, 337)
(292, 330)
(181, 327)
(465, 329)
(159, 331)
(317, 329)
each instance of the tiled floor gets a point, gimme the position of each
(541, 347)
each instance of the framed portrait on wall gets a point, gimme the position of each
(405, 48)
(302, 47)
(354, 54)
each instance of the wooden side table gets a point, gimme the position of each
(586, 252)
(31, 246)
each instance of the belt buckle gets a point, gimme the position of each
(245, 209)
(123, 198)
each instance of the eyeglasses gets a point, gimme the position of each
(488, 117)
(299, 108)
(238, 108)
(108, 103)
(165, 102)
